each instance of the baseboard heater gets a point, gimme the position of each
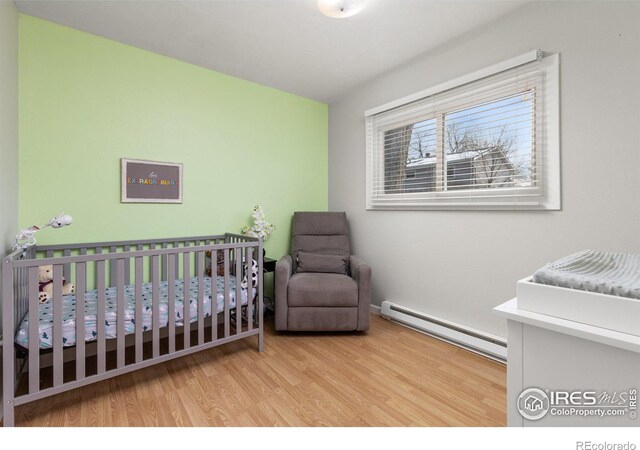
(476, 341)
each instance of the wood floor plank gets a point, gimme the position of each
(310, 414)
(151, 414)
(161, 414)
(177, 410)
(73, 409)
(389, 376)
(117, 404)
(195, 404)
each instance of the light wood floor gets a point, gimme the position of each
(390, 376)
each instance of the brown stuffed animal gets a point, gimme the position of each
(219, 263)
(45, 278)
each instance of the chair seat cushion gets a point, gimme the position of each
(322, 318)
(322, 289)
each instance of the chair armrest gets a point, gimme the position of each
(361, 273)
(359, 269)
(284, 270)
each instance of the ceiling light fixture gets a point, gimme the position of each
(339, 9)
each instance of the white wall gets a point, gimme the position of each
(8, 126)
(452, 264)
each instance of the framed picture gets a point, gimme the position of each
(150, 181)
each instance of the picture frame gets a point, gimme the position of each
(146, 181)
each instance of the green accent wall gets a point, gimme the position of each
(86, 102)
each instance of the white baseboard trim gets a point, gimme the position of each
(375, 310)
(468, 338)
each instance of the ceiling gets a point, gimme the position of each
(285, 44)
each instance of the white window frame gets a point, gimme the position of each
(545, 195)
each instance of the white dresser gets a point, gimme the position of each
(574, 374)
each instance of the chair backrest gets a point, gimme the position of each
(326, 233)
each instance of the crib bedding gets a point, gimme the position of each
(595, 271)
(45, 311)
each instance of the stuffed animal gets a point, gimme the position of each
(45, 278)
(254, 275)
(220, 268)
(219, 263)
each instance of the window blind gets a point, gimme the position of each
(486, 143)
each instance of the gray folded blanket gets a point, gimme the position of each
(594, 271)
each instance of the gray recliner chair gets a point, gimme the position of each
(321, 286)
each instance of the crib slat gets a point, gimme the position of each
(238, 253)
(260, 256)
(200, 275)
(49, 253)
(57, 326)
(100, 316)
(81, 286)
(97, 251)
(151, 247)
(214, 294)
(249, 289)
(177, 260)
(171, 304)
(155, 305)
(225, 260)
(138, 300)
(19, 289)
(186, 311)
(112, 269)
(127, 266)
(66, 272)
(164, 263)
(120, 333)
(34, 332)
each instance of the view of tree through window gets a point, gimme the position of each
(486, 146)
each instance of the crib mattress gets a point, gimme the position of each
(595, 271)
(45, 312)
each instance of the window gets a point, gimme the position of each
(486, 141)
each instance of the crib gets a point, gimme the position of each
(136, 304)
